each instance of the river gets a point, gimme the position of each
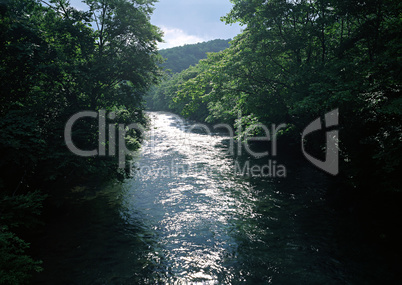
(187, 217)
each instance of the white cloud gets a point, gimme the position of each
(174, 37)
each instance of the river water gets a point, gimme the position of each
(187, 217)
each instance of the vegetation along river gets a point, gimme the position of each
(186, 217)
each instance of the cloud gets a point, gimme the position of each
(188, 21)
(174, 37)
(197, 20)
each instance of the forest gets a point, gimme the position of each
(293, 62)
(298, 60)
(55, 63)
(179, 58)
(176, 60)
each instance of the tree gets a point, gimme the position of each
(297, 60)
(180, 58)
(53, 64)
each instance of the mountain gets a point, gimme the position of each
(180, 58)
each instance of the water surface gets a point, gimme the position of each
(187, 218)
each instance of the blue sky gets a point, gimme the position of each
(189, 21)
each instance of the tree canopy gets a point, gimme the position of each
(297, 60)
(180, 58)
(54, 63)
(178, 69)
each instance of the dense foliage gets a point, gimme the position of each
(296, 61)
(53, 64)
(180, 58)
(178, 69)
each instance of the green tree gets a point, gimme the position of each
(53, 64)
(180, 58)
(297, 60)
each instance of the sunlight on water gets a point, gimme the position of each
(186, 218)
(194, 211)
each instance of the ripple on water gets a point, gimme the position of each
(200, 224)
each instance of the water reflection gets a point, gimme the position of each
(212, 226)
(198, 227)
(192, 210)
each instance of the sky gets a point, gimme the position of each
(188, 21)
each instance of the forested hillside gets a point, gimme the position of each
(54, 64)
(296, 61)
(180, 58)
